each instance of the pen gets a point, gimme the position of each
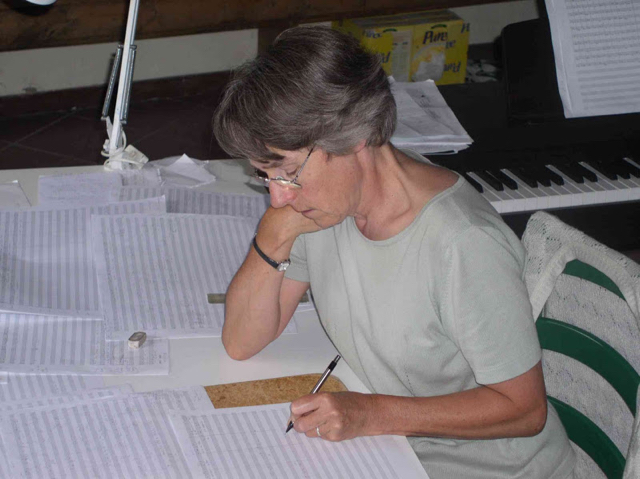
(320, 382)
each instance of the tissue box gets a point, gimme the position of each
(415, 46)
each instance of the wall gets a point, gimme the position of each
(50, 69)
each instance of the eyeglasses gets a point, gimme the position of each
(262, 178)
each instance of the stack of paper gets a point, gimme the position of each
(426, 124)
(50, 314)
(121, 434)
(596, 45)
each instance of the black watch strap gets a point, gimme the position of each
(277, 266)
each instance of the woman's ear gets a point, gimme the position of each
(359, 146)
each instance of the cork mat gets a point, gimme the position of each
(269, 391)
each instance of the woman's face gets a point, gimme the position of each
(330, 187)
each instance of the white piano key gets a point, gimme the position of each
(536, 200)
(628, 194)
(634, 181)
(615, 190)
(630, 160)
(552, 196)
(577, 195)
(496, 198)
(564, 198)
(589, 195)
(517, 201)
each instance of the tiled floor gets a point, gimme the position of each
(158, 128)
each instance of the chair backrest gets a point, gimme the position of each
(590, 350)
(587, 300)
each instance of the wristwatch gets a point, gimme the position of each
(278, 266)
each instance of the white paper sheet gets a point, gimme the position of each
(250, 442)
(70, 398)
(425, 121)
(596, 45)
(144, 177)
(181, 171)
(43, 402)
(46, 259)
(21, 387)
(179, 259)
(124, 437)
(12, 195)
(33, 344)
(84, 189)
(185, 200)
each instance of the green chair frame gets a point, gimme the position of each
(590, 350)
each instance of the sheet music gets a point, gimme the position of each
(70, 398)
(20, 387)
(33, 344)
(250, 442)
(596, 44)
(46, 259)
(40, 402)
(124, 437)
(425, 121)
(185, 200)
(180, 258)
(13, 196)
(84, 189)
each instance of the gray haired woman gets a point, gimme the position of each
(417, 280)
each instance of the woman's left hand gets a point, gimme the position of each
(336, 416)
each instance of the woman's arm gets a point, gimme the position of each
(513, 408)
(260, 301)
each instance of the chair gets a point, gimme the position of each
(588, 325)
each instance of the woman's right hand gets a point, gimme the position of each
(280, 227)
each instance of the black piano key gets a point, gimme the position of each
(633, 170)
(554, 177)
(504, 179)
(539, 174)
(620, 167)
(586, 173)
(570, 171)
(604, 169)
(520, 173)
(473, 182)
(491, 181)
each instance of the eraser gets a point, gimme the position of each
(137, 339)
(216, 298)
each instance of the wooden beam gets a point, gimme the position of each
(77, 22)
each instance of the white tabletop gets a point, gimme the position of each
(203, 361)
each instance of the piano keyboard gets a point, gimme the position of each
(557, 185)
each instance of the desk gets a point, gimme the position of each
(203, 361)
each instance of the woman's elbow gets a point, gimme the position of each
(235, 350)
(536, 419)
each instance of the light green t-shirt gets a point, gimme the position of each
(439, 308)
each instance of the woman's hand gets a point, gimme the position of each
(337, 416)
(285, 223)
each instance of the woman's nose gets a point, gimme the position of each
(280, 195)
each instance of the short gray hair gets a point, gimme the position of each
(313, 86)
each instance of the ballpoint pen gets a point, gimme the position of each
(319, 384)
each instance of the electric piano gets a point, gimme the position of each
(586, 171)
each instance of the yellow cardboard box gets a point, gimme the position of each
(415, 46)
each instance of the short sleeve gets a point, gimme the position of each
(487, 306)
(298, 269)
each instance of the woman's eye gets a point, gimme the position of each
(291, 174)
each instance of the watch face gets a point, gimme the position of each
(284, 265)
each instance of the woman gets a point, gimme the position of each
(417, 280)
